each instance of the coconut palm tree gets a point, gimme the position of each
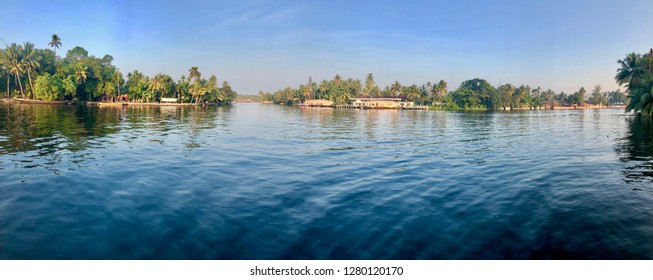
(396, 88)
(55, 43)
(412, 93)
(81, 73)
(30, 62)
(641, 98)
(370, 85)
(4, 67)
(632, 70)
(198, 89)
(157, 84)
(80, 76)
(323, 88)
(5, 72)
(440, 90)
(13, 56)
(337, 79)
(194, 72)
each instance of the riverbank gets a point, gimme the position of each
(536, 109)
(120, 104)
(34, 101)
(95, 103)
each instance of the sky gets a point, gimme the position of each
(268, 45)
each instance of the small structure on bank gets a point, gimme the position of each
(317, 103)
(383, 103)
(367, 103)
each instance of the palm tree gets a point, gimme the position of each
(440, 90)
(194, 72)
(198, 90)
(5, 71)
(324, 88)
(80, 76)
(157, 84)
(632, 70)
(412, 93)
(641, 98)
(4, 67)
(30, 62)
(116, 81)
(337, 79)
(55, 43)
(396, 88)
(14, 57)
(310, 89)
(80, 73)
(369, 85)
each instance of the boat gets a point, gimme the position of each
(35, 101)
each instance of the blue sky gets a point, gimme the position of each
(268, 45)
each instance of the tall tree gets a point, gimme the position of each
(4, 67)
(632, 70)
(370, 89)
(641, 98)
(440, 90)
(14, 57)
(411, 92)
(310, 88)
(194, 73)
(483, 90)
(505, 93)
(30, 62)
(81, 73)
(520, 95)
(324, 89)
(55, 43)
(156, 85)
(337, 79)
(395, 89)
(595, 97)
(5, 72)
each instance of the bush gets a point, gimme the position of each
(48, 87)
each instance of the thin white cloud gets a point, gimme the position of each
(252, 15)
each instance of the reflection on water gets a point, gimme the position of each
(257, 181)
(51, 133)
(636, 151)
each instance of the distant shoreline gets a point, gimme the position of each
(95, 103)
(151, 104)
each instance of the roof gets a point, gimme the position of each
(377, 99)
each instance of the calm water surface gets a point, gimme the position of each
(270, 182)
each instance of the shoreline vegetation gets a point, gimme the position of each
(474, 94)
(636, 72)
(30, 75)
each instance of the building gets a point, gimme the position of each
(317, 103)
(381, 103)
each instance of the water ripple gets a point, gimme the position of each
(257, 181)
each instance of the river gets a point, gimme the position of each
(259, 181)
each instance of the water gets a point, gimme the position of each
(259, 181)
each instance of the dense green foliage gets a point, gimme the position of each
(49, 87)
(471, 94)
(636, 72)
(29, 72)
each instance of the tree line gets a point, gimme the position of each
(636, 72)
(33, 73)
(471, 94)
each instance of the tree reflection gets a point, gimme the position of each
(47, 129)
(636, 151)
